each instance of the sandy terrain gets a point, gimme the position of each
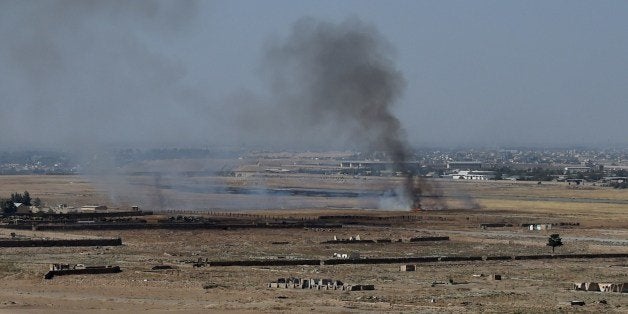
(527, 286)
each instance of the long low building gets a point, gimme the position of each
(464, 165)
(378, 165)
(576, 169)
(474, 175)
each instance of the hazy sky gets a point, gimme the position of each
(179, 73)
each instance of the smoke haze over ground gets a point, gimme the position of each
(89, 76)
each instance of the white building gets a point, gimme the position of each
(465, 165)
(474, 175)
(576, 169)
(539, 227)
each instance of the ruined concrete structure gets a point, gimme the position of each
(603, 287)
(539, 227)
(318, 284)
(357, 239)
(407, 267)
(79, 269)
(352, 255)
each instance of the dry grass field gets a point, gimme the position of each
(536, 286)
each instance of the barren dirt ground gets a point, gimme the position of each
(527, 285)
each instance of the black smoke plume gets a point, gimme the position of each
(342, 76)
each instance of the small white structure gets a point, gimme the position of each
(539, 227)
(603, 287)
(407, 268)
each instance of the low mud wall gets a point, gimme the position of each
(94, 270)
(51, 243)
(383, 260)
(498, 258)
(421, 239)
(347, 241)
(532, 257)
(406, 260)
(415, 239)
(172, 226)
(615, 255)
(280, 262)
(459, 258)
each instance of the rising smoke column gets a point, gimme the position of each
(343, 73)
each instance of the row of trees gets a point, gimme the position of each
(8, 205)
(21, 198)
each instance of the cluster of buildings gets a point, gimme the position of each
(63, 209)
(482, 170)
(526, 157)
(34, 162)
(472, 164)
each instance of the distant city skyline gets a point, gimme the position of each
(84, 75)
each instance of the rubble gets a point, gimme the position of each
(317, 284)
(407, 267)
(79, 269)
(603, 287)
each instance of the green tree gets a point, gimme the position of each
(37, 202)
(8, 207)
(16, 197)
(21, 198)
(554, 241)
(26, 198)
